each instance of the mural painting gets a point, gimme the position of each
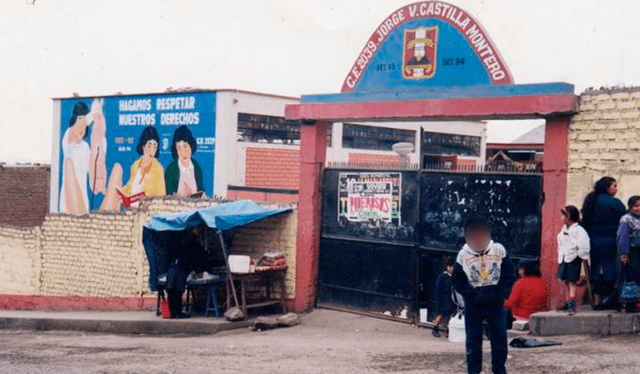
(159, 144)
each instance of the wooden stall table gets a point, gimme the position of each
(266, 277)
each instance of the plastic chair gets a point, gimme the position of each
(212, 294)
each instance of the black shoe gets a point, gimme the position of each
(436, 332)
(632, 310)
(571, 307)
(181, 316)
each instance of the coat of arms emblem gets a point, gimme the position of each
(420, 52)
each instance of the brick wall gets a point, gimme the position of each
(101, 254)
(259, 196)
(466, 163)
(604, 139)
(24, 194)
(369, 159)
(272, 168)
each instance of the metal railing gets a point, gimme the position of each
(529, 169)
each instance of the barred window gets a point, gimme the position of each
(450, 144)
(257, 128)
(374, 137)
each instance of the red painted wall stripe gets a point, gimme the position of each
(468, 108)
(30, 302)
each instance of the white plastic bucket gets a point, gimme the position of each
(456, 328)
(423, 315)
(239, 264)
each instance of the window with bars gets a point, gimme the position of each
(434, 143)
(374, 137)
(257, 128)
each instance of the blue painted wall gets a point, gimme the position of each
(127, 116)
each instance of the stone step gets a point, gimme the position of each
(584, 322)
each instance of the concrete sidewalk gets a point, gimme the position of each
(138, 322)
(585, 322)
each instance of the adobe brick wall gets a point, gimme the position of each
(272, 168)
(101, 254)
(24, 194)
(20, 260)
(275, 234)
(604, 139)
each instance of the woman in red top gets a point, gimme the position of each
(529, 294)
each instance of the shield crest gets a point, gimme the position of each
(420, 49)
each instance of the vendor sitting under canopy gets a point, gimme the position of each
(178, 244)
(188, 256)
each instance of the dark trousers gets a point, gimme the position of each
(175, 303)
(497, 321)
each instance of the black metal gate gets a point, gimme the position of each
(386, 233)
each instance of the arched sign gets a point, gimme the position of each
(426, 44)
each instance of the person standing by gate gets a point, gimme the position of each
(484, 274)
(446, 307)
(601, 213)
(573, 248)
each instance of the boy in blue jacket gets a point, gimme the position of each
(484, 274)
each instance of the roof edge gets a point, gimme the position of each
(171, 91)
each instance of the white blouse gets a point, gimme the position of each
(573, 242)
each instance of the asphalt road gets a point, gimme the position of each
(326, 342)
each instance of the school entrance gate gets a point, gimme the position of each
(387, 233)
(427, 61)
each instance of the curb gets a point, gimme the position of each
(160, 327)
(584, 323)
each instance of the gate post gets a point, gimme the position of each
(313, 150)
(554, 165)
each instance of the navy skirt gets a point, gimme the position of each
(570, 271)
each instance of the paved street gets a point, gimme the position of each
(326, 342)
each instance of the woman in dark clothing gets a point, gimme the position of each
(601, 213)
(444, 286)
(188, 256)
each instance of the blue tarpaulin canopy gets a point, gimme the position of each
(221, 217)
(160, 230)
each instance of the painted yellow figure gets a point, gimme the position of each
(147, 175)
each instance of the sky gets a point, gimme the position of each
(290, 47)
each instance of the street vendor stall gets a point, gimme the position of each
(199, 241)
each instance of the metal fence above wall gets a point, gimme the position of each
(493, 169)
(371, 166)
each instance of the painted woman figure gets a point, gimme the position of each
(84, 164)
(146, 172)
(184, 175)
(75, 165)
(601, 213)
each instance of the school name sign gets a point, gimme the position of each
(429, 43)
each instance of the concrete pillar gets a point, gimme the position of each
(555, 195)
(313, 149)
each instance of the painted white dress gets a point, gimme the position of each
(187, 178)
(79, 155)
